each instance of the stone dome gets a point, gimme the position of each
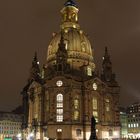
(76, 42)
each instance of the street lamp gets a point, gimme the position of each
(19, 136)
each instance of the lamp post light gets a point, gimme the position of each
(19, 136)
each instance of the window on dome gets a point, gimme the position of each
(83, 49)
(83, 46)
(89, 71)
(74, 16)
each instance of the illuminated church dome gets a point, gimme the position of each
(76, 42)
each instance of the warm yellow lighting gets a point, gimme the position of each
(38, 135)
(76, 115)
(59, 83)
(116, 134)
(87, 135)
(66, 30)
(89, 71)
(81, 32)
(94, 86)
(74, 26)
(59, 130)
(76, 104)
(105, 134)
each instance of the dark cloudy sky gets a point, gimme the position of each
(26, 26)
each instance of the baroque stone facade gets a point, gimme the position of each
(60, 99)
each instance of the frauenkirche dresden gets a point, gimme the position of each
(60, 98)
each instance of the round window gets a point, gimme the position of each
(59, 83)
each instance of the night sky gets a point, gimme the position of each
(26, 26)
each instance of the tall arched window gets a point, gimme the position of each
(107, 104)
(94, 103)
(76, 104)
(59, 108)
(95, 108)
(76, 115)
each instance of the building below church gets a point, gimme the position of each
(124, 123)
(60, 99)
(10, 125)
(133, 119)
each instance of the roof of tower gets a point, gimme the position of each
(106, 56)
(70, 3)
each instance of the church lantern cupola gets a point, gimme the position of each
(70, 15)
(77, 44)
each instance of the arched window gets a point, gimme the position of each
(83, 46)
(89, 71)
(76, 104)
(59, 108)
(76, 115)
(94, 103)
(59, 98)
(107, 104)
(95, 108)
(76, 108)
